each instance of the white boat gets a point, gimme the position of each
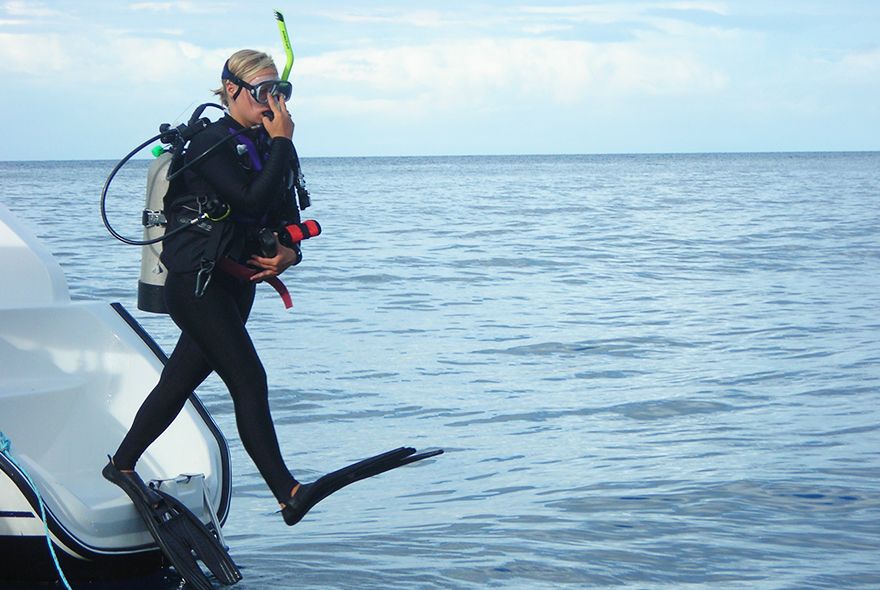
(72, 377)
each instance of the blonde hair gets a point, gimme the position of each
(244, 64)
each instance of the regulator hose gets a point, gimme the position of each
(177, 137)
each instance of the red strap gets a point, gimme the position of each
(243, 272)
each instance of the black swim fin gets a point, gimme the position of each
(310, 494)
(181, 536)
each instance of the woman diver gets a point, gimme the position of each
(246, 185)
(256, 188)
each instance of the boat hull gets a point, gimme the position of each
(72, 377)
(94, 528)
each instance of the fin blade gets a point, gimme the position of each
(336, 480)
(421, 456)
(177, 547)
(204, 543)
(324, 486)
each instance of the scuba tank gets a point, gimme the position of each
(162, 178)
(153, 272)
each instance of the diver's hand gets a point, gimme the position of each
(281, 124)
(272, 267)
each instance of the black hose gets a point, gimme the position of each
(180, 136)
(106, 188)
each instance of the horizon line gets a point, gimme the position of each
(517, 155)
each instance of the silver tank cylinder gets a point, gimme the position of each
(152, 279)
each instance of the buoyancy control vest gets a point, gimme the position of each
(198, 227)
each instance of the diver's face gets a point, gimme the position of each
(245, 109)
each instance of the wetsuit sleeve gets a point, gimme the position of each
(224, 175)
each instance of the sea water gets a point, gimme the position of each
(647, 371)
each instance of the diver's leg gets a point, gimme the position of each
(185, 370)
(228, 349)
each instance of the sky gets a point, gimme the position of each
(92, 79)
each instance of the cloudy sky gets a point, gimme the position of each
(90, 79)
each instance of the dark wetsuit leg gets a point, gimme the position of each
(213, 337)
(185, 370)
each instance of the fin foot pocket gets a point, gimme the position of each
(182, 537)
(310, 494)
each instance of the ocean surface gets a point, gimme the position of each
(647, 371)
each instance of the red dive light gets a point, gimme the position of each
(297, 232)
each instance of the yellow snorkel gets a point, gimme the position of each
(302, 193)
(288, 50)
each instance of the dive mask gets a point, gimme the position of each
(262, 90)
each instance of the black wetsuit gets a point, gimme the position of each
(256, 184)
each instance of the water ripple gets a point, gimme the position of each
(647, 371)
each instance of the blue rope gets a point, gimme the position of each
(6, 449)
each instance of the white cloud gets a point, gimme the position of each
(113, 67)
(418, 18)
(861, 64)
(478, 73)
(33, 55)
(152, 6)
(182, 6)
(711, 7)
(28, 9)
(528, 18)
(622, 12)
(541, 29)
(597, 13)
(156, 60)
(74, 59)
